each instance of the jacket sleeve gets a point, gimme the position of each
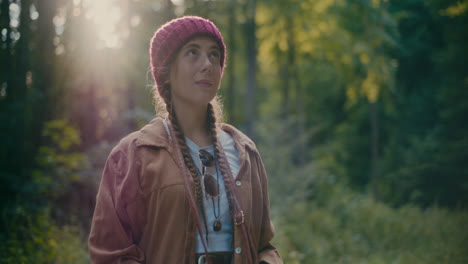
(111, 236)
(267, 252)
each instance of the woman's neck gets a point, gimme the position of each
(193, 124)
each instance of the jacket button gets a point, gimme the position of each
(238, 183)
(238, 250)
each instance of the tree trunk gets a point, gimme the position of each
(89, 117)
(19, 95)
(285, 76)
(375, 170)
(8, 169)
(43, 69)
(131, 105)
(5, 50)
(230, 95)
(251, 67)
(300, 115)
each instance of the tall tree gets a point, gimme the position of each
(9, 169)
(230, 69)
(425, 164)
(43, 68)
(251, 53)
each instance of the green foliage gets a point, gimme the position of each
(382, 86)
(353, 228)
(320, 219)
(58, 163)
(31, 234)
(61, 134)
(425, 158)
(34, 238)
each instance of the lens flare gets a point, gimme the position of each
(105, 15)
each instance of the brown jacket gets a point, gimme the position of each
(142, 214)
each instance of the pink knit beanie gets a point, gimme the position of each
(170, 37)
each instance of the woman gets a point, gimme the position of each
(185, 188)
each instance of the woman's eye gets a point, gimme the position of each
(192, 52)
(215, 54)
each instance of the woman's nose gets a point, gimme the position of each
(207, 65)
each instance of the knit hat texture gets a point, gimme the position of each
(170, 37)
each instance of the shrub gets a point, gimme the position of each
(354, 228)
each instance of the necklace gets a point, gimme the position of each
(216, 205)
(217, 223)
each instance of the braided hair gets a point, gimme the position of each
(223, 167)
(179, 136)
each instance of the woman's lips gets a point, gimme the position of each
(204, 83)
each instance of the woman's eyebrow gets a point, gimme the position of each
(195, 45)
(191, 45)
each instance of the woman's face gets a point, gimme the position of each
(195, 74)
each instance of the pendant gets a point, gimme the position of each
(217, 225)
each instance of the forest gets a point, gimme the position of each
(358, 108)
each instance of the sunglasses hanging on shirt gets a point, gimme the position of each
(211, 184)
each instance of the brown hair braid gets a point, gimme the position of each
(179, 135)
(228, 182)
(223, 167)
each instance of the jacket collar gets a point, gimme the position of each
(154, 134)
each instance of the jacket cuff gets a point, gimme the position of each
(270, 255)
